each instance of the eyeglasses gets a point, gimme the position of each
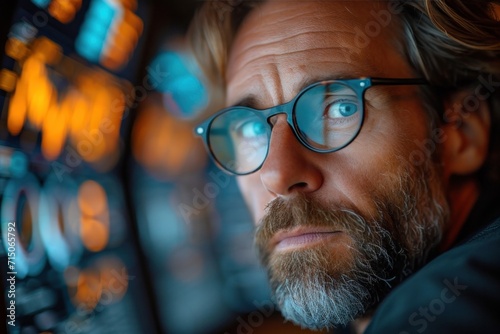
(325, 117)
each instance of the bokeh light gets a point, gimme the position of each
(94, 221)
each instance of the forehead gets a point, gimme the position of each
(284, 45)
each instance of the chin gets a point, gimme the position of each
(317, 287)
(329, 283)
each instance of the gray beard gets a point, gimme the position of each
(315, 293)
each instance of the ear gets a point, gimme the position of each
(467, 131)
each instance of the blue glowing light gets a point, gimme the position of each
(102, 11)
(179, 83)
(41, 3)
(89, 46)
(93, 32)
(18, 164)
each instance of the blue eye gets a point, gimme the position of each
(252, 129)
(339, 109)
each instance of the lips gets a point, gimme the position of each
(298, 238)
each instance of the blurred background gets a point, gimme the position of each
(122, 224)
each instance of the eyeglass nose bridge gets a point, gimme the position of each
(285, 108)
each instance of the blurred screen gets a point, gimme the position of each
(113, 219)
(70, 257)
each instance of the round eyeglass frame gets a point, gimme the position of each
(359, 86)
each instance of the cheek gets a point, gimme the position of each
(370, 166)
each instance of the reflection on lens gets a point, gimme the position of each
(239, 139)
(328, 116)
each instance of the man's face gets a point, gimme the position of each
(335, 230)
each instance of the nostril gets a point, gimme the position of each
(298, 186)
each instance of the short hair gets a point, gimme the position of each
(454, 44)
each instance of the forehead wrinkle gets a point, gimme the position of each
(309, 8)
(298, 42)
(321, 42)
(332, 56)
(276, 32)
(271, 16)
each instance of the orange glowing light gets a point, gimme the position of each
(105, 281)
(114, 279)
(33, 69)
(130, 4)
(88, 290)
(17, 109)
(39, 89)
(79, 116)
(92, 199)
(134, 21)
(127, 34)
(100, 107)
(89, 112)
(123, 39)
(47, 51)
(94, 222)
(133, 33)
(55, 129)
(115, 58)
(39, 103)
(96, 118)
(122, 46)
(8, 80)
(110, 126)
(76, 3)
(16, 49)
(64, 10)
(163, 144)
(94, 234)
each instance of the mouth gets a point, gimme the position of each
(300, 238)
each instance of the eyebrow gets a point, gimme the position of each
(251, 101)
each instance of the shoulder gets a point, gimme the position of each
(457, 292)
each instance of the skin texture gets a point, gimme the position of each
(282, 47)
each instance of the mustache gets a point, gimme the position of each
(285, 214)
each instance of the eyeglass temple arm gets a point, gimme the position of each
(399, 81)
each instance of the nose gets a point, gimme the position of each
(289, 167)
